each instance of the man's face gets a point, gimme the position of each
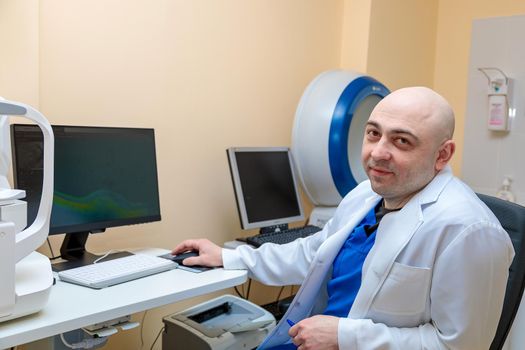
(399, 153)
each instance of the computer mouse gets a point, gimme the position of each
(180, 257)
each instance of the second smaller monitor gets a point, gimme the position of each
(265, 186)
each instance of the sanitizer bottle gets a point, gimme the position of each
(505, 192)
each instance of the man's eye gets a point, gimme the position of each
(403, 141)
(372, 133)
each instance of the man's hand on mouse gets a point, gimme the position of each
(210, 254)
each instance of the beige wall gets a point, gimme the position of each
(402, 42)
(355, 35)
(19, 50)
(393, 41)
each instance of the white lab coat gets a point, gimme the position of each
(434, 279)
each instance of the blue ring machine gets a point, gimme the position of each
(328, 134)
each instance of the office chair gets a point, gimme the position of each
(512, 218)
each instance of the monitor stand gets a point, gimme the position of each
(73, 251)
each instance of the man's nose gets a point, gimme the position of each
(381, 150)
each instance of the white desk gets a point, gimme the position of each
(71, 307)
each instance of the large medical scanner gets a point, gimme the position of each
(328, 133)
(26, 274)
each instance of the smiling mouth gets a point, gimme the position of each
(379, 172)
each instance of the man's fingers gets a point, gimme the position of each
(195, 260)
(296, 342)
(210, 254)
(190, 244)
(292, 332)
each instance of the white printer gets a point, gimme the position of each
(226, 322)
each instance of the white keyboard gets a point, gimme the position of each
(111, 272)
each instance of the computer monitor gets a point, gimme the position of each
(104, 177)
(265, 187)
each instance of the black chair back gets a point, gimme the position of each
(512, 218)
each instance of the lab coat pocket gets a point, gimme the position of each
(404, 291)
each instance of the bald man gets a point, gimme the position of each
(412, 259)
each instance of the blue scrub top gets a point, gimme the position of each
(347, 267)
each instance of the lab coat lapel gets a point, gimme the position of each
(394, 232)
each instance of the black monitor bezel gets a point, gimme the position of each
(98, 226)
(239, 197)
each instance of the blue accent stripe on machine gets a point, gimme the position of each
(351, 97)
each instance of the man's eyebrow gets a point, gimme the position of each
(373, 123)
(394, 131)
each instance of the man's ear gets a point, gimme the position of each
(445, 152)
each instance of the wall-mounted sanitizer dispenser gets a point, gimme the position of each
(328, 135)
(500, 113)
